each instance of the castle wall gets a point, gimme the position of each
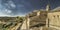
(54, 20)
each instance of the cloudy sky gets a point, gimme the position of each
(22, 7)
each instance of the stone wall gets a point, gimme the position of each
(54, 19)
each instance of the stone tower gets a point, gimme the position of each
(48, 7)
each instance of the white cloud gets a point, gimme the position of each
(11, 4)
(8, 11)
(4, 11)
(3, 14)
